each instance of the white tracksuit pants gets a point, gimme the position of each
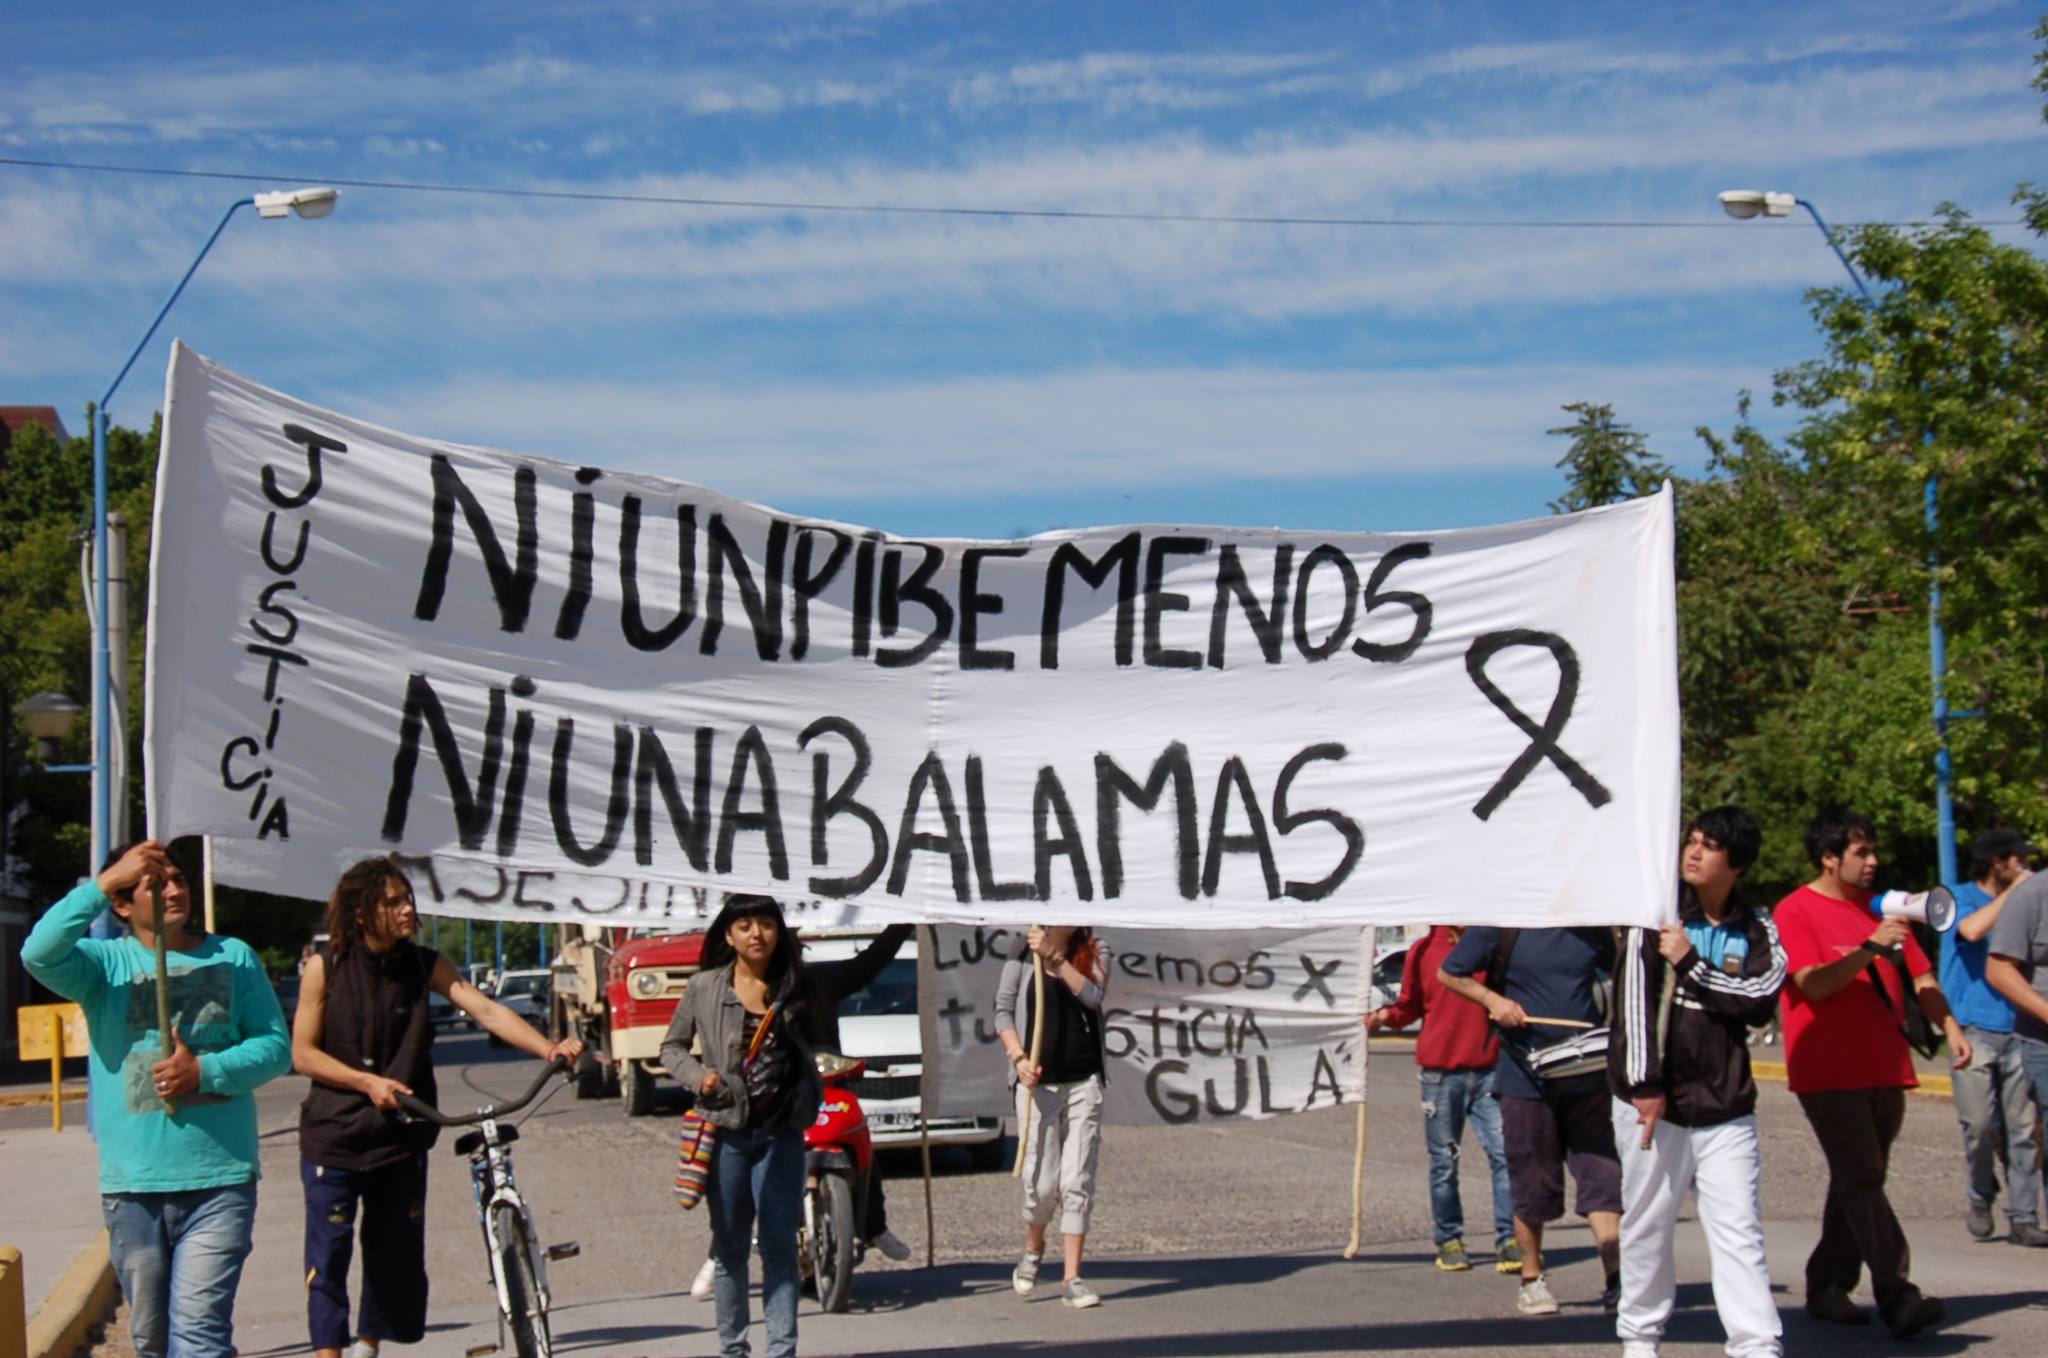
(1723, 1166)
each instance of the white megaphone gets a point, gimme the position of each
(1935, 908)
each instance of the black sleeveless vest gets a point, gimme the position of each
(376, 1019)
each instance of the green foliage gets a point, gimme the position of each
(1606, 462)
(1804, 570)
(46, 638)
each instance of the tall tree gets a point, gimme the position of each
(1607, 460)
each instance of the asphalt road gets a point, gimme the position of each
(1206, 1241)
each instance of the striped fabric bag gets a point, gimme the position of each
(699, 1138)
(693, 1159)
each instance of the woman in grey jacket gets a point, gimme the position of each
(1065, 1093)
(757, 1082)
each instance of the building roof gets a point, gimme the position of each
(14, 419)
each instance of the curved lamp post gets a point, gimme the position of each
(1744, 204)
(307, 202)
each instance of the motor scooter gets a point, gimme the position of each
(839, 1158)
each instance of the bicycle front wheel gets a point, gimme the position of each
(524, 1315)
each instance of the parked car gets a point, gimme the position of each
(878, 1024)
(441, 1013)
(525, 993)
(1386, 976)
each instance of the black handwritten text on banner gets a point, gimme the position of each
(1197, 1027)
(364, 642)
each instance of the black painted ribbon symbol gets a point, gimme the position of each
(1542, 739)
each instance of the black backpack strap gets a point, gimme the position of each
(1497, 964)
(1925, 1042)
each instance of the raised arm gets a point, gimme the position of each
(52, 953)
(1977, 925)
(834, 981)
(1827, 979)
(495, 1018)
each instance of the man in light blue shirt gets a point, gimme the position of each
(1991, 1092)
(177, 1133)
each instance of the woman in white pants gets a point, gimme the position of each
(1063, 1092)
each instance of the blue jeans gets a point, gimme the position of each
(760, 1170)
(179, 1258)
(1450, 1099)
(1992, 1097)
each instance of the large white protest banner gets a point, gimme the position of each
(573, 693)
(1198, 1026)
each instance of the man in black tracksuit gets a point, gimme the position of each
(1684, 1102)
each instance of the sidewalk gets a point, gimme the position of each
(51, 1184)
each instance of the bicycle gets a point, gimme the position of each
(518, 1269)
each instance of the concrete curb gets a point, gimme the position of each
(82, 1298)
(40, 1096)
(1930, 1087)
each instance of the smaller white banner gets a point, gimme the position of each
(1199, 1025)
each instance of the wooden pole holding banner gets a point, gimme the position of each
(924, 1146)
(1037, 1049)
(206, 877)
(163, 982)
(1561, 1023)
(1357, 1188)
(1368, 940)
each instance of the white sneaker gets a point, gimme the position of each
(1024, 1277)
(362, 1348)
(891, 1247)
(700, 1286)
(1535, 1299)
(1638, 1348)
(1078, 1295)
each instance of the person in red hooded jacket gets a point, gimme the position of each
(1454, 1058)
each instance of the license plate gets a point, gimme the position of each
(892, 1121)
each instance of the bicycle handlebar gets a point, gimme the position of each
(420, 1108)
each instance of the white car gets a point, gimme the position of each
(878, 1025)
(525, 993)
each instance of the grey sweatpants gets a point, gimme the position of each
(1060, 1151)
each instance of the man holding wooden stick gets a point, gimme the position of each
(172, 1095)
(1540, 992)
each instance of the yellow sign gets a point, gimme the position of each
(33, 1028)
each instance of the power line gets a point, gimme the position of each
(914, 209)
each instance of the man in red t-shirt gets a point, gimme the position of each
(1848, 1062)
(1454, 1059)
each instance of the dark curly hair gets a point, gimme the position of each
(356, 897)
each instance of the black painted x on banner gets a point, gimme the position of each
(1542, 739)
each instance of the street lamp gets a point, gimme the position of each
(48, 717)
(306, 202)
(1744, 204)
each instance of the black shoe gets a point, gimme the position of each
(1610, 1296)
(1832, 1303)
(1979, 1222)
(2024, 1233)
(1911, 1313)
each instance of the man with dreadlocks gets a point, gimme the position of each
(363, 1035)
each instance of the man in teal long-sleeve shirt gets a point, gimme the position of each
(177, 1178)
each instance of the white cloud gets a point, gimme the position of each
(968, 438)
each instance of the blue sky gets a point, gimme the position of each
(978, 376)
